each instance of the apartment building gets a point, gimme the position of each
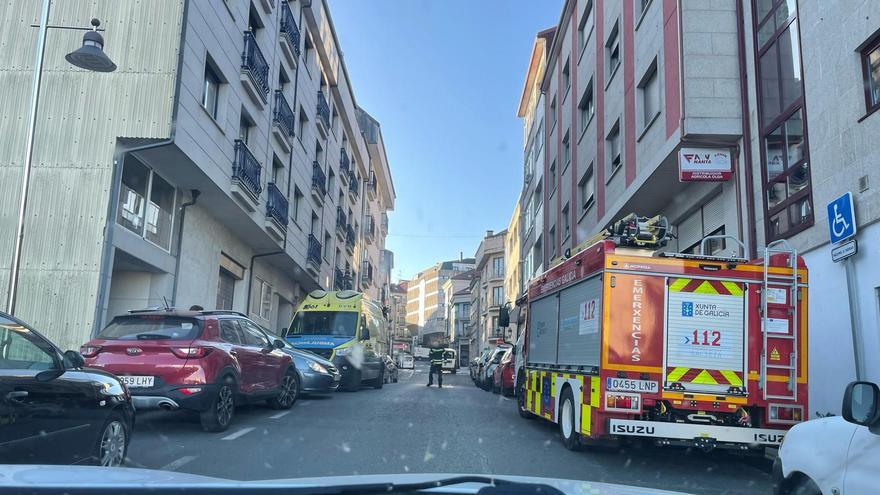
(487, 291)
(456, 293)
(425, 306)
(223, 164)
(397, 311)
(633, 90)
(514, 282)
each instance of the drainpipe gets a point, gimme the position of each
(251, 276)
(746, 132)
(195, 196)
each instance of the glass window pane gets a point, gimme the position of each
(779, 224)
(770, 100)
(132, 192)
(786, 9)
(766, 32)
(794, 134)
(762, 8)
(20, 350)
(800, 212)
(798, 179)
(874, 75)
(775, 163)
(790, 65)
(160, 211)
(775, 193)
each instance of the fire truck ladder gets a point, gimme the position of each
(790, 283)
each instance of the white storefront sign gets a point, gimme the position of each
(704, 164)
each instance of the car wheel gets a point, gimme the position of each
(802, 485)
(567, 428)
(112, 444)
(219, 415)
(521, 400)
(380, 380)
(288, 393)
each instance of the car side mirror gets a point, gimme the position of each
(284, 332)
(365, 333)
(278, 344)
(861, 403)
(72, 360)
(513, 351)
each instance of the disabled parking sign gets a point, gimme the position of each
(841, 218)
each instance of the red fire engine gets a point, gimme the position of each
(625, 341)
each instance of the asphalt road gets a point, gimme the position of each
(409, 428)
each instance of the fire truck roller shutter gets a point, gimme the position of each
(579, 316)
(544, 331)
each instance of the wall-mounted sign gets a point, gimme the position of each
(704, 164)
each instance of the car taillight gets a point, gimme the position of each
(89, 350)
(785, 413)
(191, 352)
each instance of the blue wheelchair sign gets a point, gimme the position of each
(841, 218)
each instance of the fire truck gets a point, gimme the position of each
(624, 340)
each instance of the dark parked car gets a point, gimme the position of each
(207, 361)
(391, 371)
(52, 410)
(316, 374)
(484, 380)
(502, 377)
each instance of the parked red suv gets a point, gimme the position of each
(207, 361)
(502, 377)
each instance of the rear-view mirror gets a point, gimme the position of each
(73, 360)
(861, 403)
(278, 344)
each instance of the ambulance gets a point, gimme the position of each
(625, 341)
(347, 328)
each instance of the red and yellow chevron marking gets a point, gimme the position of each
(704, 376)
(720, 287)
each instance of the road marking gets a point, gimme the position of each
(280, 415)
(239, 433)
(179, 463)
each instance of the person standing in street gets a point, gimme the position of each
(436, 357)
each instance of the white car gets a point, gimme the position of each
(405, 361)
(838, 455)
(450, 362)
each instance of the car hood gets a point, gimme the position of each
(304, 354)
(22, 476)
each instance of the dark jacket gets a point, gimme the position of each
(436, 356)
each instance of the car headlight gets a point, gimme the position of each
(317, 367)
(343, 351)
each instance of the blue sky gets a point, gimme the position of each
(444, 77)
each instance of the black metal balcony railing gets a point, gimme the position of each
(372, 185)
(314, 252)
(349, 236)
(323, 109)
(341, 220)
(353, 185)
(343, 162)
(283, 115)
(246, 169)
(253, 61)
(338, 279)
(289, 28)
(370, 228)
(319, 179)
(276, 204)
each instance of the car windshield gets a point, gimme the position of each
(151, 327)
(335, 323)
(557, 239)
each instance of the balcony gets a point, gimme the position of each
(341, 223)
(283, 122)
(370, 229)
(319, 183)
(349, 239)
(372, 186)
(323, 114)
(246, 176)
(384, 224)
(367, 276)
(353, 186)
(344, 164)
(268, 5)
(276, 212)
(289, 38)
(338, 279)
(254, 70)
(313, 259)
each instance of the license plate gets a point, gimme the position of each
(630, 385)
(138, 381)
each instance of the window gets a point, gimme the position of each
(649, 90)
(871, 71)
(498, 267)
(225, 289)
(254, 21)
(538, 254)
(566, 151)
(307, 51)
(553, 114)
(151, 219)
(245, 123)
(211, 89)
(229, 331)
(313, 227)
(612, 53)
(643, 4)
(612, 144)
(261, 303)
(566, 77)
(283, 78)
(585, 107)
(252, 335)
(552, 240)
(23, 350)
(537, 197)
(566, 223)
(297, 202)
(552, 185)
(326, 245)
(585, 27)
(301, 123)
(785, 164)
(586, 189)
(497, 296)
(714, 247)
(331, 181)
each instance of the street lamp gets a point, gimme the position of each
(89, 56)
